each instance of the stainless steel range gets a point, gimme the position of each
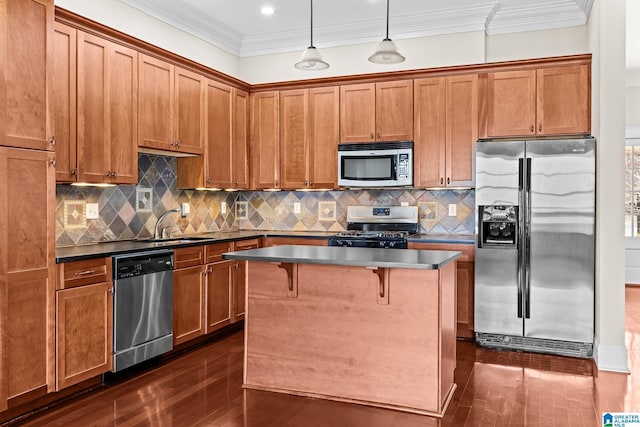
(378, 227)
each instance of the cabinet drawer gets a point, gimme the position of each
(277, 241)
(188, 257)
(215, 251)
(243, 245)
(85, 272)
(468, 250)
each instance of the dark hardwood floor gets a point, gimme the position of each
(495, 388)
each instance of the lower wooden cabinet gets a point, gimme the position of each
(219, 284)
(465, 283)
(84, 321)
(188, 303)
(84, 333)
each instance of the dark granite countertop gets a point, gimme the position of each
(364, 257)
(104, 249)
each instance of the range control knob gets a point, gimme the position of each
(392, 244)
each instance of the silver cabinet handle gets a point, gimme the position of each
(84, 273)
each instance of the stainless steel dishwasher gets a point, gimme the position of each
(142, 307)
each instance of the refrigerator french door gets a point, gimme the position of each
(534, 271)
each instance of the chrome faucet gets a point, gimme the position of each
(157, 234)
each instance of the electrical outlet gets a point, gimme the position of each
(404, 203)
(185, 209)
(223, 208)
(92, 211)
(453, 209)
(296, 207)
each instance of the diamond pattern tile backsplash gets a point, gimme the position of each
(127, 211)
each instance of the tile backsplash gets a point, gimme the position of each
(127, 211)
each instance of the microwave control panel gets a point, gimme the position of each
(403, 166)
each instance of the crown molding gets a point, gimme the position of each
(552, 15)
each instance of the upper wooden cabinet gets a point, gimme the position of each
(265, 140)
(446, 129)
(225, 163)
(309, 120)
(376, 111)
(542, 102)
(107, 113)
(171, 107)
(26, 31)
(27, 274)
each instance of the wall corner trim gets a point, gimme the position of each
(612, 358)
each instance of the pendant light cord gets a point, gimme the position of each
(386, 38)
(312, 23)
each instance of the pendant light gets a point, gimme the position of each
(311, 58)
(387, 52)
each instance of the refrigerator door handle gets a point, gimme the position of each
(520, 234)
(527, 244)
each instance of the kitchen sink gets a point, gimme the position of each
(182, 239)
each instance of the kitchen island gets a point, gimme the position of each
(367, 326)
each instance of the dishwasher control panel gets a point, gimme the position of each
(138, 264)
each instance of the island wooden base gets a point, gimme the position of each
(381, 337)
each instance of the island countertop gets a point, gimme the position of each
(363, 257)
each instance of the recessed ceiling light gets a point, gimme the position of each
(267, 10)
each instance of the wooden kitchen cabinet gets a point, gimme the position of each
(171, 107)
(224, 164)
(446, 129)
(309, 132)
(464, 283)
(373, 112)
(239, 279)
(26, 58)
(84, 321)
(539, 102)
(265, 140)
(189, 294)
(219, 278)
(27, 274)
(63, 101)
(107, 113)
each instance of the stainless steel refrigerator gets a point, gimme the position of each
(534, 271)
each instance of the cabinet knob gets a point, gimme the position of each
(276, 182)
(378, 136)
(448, 180)
(540, 128)
(74, 172)
(106, 173)
(533, 129)
(310, 182)
(306, 183)
(441, 180)
(53, 162)
(52, 140)
(373, 137)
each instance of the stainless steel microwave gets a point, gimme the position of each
(379, 164)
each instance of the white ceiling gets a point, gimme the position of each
(239, 28)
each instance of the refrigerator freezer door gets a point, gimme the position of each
(497, 172)
(497, 269)
(561, 240)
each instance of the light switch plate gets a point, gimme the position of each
(92, 211)
(223, 208)
(452, 209)
(296, 207)
(185, 209)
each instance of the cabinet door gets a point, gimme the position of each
(84, 333)
(564, 100)
(358, 113)
(156, 99)
(219, 284)
(25, 54)
(461, 129)
(63, 101)
(188, 304)
(239, 280)
(189, 105)
(394, 110)
(430, 124)
(294, 138)
(218, 163)
(123, 114)
(239, 139)
(265, 140)
(511, 103)
(324, 135)
(93, 109)
(27, 275)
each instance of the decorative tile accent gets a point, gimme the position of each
(75, 214)
(242, 210)
(144, 199)
(327, 211)
(428, 214)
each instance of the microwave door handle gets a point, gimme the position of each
(394, 168)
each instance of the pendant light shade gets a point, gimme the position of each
(387, 52)
(311, 58)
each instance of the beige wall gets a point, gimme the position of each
(633, 99)
(606, 35)
(115, 14)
